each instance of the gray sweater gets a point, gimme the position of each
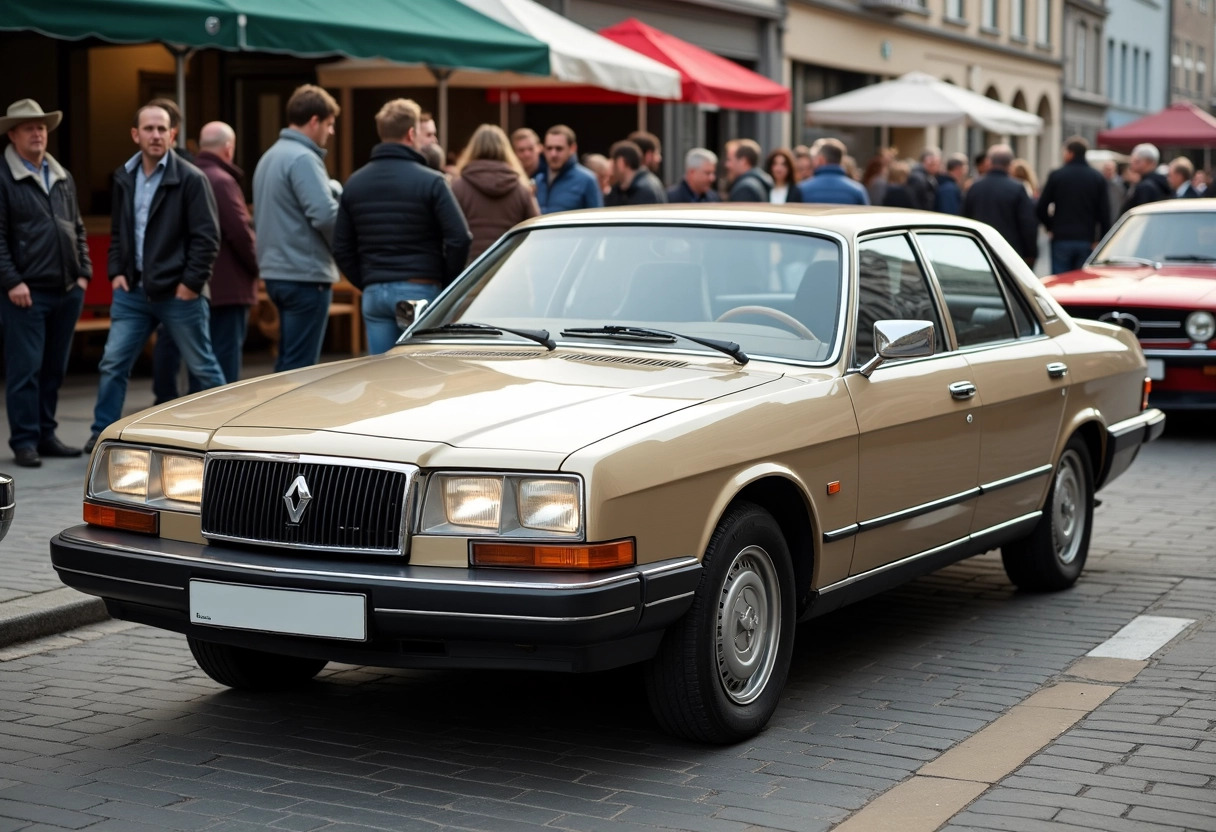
(294, 211)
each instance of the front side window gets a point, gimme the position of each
(970, 287)
(890, 286)
(776, 294)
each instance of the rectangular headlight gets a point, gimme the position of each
(127, 470)
(503, 505)
(149, 477)
(548, 505)
(181, 478)
(473, 501)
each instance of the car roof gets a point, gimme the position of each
(846, 220)
(1170, 206)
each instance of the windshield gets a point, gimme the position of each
(775, 294)
(1161, 238)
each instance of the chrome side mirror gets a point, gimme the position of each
(8, 503)
(408, 311)
(894, 340)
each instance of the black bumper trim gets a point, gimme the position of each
(1124, 440)
(466, 614)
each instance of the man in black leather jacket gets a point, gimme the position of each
(165, 236)
(44, 269)
(400, 233)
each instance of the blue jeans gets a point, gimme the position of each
(133, 317)
(303, 315)
(380, 310)
(228, 326)
(37, 340)
(1067, 255)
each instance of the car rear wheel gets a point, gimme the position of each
(1052, 556)
(240, 667)
(719, 672)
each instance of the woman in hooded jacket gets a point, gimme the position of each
(492, 188)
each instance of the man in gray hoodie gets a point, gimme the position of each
(295, 208)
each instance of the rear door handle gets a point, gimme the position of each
(1057, 369)
(962, 390)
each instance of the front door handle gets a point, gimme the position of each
(1057, 369)
(962, 390)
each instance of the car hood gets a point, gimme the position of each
(553, 401)
(1171, 286)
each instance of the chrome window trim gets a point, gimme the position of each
(943, 502)
(549, 619)
(407, 513)
(844, 301)
(325, 573)
(861, 576)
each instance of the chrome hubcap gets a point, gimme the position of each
(1068, 508)
(748, 627)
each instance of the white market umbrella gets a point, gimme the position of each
(577, 57)
(920, 100)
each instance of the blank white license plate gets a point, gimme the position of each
(1156, 369)
(291, 611)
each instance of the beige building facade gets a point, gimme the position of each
(1192, 43)
(1008, 50)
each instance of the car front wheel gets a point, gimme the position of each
(1052, 556)
(719, 673)
(240, 667)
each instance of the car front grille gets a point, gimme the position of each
(1148, 323)
(341, 505)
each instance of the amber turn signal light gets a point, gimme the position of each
(127, 519)
(556, 555)
(1148, 388)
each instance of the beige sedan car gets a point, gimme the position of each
(655, 435)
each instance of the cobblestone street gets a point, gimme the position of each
(112, 726)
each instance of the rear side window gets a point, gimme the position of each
(971, 289)
(891, 286)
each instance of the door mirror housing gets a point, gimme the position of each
(894, 340)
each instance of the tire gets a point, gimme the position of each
(1052, 556)
(705, 686)
(240, 667)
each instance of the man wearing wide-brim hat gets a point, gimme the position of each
(44, 269)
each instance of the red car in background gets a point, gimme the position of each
(1155, 274)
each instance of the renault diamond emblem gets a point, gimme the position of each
(299, 489)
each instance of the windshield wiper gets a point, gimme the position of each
(1120, 259)
(1191, 258)
(644, 333)
(540, 336)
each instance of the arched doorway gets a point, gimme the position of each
(1042, 155)
(1021, 144)
(991, 138)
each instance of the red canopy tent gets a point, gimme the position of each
(705, 78)
(1178, 125)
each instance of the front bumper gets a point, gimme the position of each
(1190, 380)
(417, 616)
(1124, 440)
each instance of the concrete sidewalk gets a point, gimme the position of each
(33, 602)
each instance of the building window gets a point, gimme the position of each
(1147, 80)
(1110, 68)
(1135, 102)
(954, 9)
(1200, 71)
(988, 15)
(1043, 33)
(1187, 63)
(1017, 18)
(1176, 64)
(1078, 64)
(1123, 75)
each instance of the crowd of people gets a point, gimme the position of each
(184, 259)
